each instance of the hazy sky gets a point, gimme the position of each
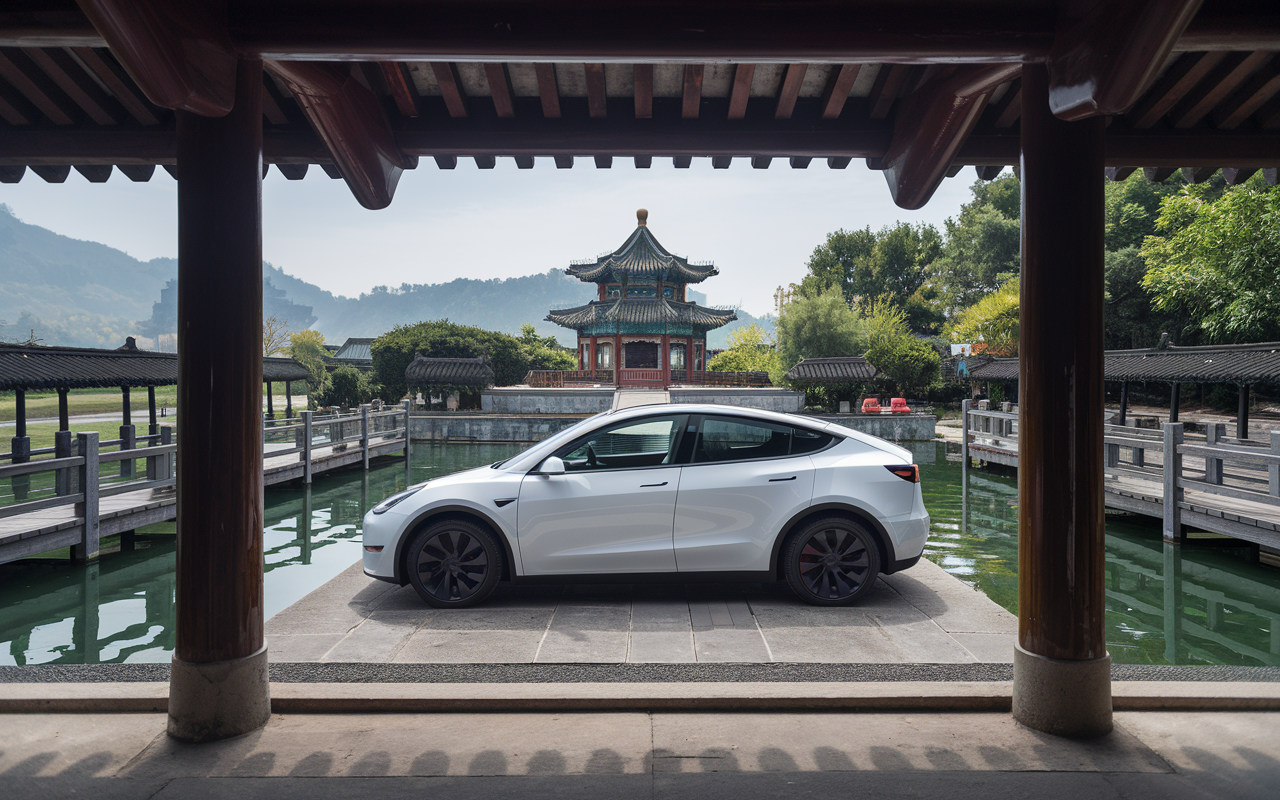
(758, 226)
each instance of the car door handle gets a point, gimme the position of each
(647, 485)
(777, 480)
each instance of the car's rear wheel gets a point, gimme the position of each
(454, 563)
(831, 561)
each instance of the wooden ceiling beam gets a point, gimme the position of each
(117, 86)
(740, 92)
(1102, 62)
(597, 98)
(1176, 83)
(930, 128)
(270, 108)
(60, 71)
(885, 89)
(450, 87)
(179, 54)
(548, 90)
(1220, 84)
(692, 93)
(790, 90)
(644, 91)
(836, 93)
(1246, 102)
(500, 89)
(401, 88)
(350, 120)
(34, 94)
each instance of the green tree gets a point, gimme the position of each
(983, 245)
(817, 326)
(993, 320)
(911, 363)
(348, 387)
(544, 352)
(750, 350)
(1218, 261)
(395, 350)
(307, 348)
(843, 261)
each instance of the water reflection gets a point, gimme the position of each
(1166, 604)
(121, 609)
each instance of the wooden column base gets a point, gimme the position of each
(1064, 697)
(214, 700)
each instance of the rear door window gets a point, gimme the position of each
(730, 439)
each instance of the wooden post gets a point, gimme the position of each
(965, 405)
(64, 418)
(305, 455)
(288, 399)
(1214, 433)
(20, 446)
(1175, 398)
(1124, 402)
(271, 411)
(1172, 472)
(1273, 469)
(62, 481)
(1172, 602)
(1062, 673)
(408, 439)
(1242, 413)
(151, 411)
(167, 461)
(364, 434)
(87, 549)
(218, 682)
(126, 411)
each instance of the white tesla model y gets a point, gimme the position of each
(662, 493)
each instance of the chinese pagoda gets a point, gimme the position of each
(641, 314)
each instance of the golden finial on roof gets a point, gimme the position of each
(642, 217)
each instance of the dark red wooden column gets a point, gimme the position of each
(1061, 668)
(218, 686)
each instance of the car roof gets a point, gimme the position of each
(719, 410)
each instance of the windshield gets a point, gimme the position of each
(550, 443)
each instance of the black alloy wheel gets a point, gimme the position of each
(454, 563)
(831, 561)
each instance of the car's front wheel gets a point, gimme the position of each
(831, 561)
(454, 563)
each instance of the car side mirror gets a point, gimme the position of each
(552, 466)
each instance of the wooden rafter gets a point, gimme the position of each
(450, 87)
(138, 173)
(36, 95)
(1103, 61)
(721, 162)
(643, 162)
(548, 91)
(563, 162)
(446, 162)
(597, 99)
(500, 89)
(740, 92)
(1198, 174)
(644, 91)
(1235, 176)
(836, 93)
(95, 173)
(761, 162)
(524, 162)
(800, 162)
(350, 120)
(692, 94)
(885, 88)
(60, 71)
(1175, 84)
(1009, 108)
(52, 174)
(790, 90)
(1120, 173)
(1252, 97)
(119, 89)
(1215, 88)
(10, 113)
(604, 162)
(401, 88)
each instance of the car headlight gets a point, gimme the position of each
(387, 504)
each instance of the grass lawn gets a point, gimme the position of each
(108, 401)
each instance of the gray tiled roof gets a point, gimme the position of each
(355, 350)
(1238, 363)
(848, 369)
(641, 256)
(428, 371)
(655, 311)
(37, 367)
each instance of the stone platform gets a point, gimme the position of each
(920, 616)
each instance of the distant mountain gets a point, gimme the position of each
(73, 292)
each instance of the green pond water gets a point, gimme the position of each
(1193, 604)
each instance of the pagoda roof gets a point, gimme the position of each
(641, 256)
(430, 371)
(847, 369)
(656, 311)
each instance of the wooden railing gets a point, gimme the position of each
(560, 378)
(339, 431)
(730, 379)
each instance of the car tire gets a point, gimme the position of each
(454, 563)
(831, 561)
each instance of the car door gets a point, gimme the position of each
(612, 509)
(742, 484)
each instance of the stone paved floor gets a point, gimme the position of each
(920, 616)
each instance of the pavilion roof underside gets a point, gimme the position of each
(642, 312)
(826, 80)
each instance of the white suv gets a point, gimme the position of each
(662, 493)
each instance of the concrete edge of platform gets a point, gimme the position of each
(901, 696)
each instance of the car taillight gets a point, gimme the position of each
(908, 473)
